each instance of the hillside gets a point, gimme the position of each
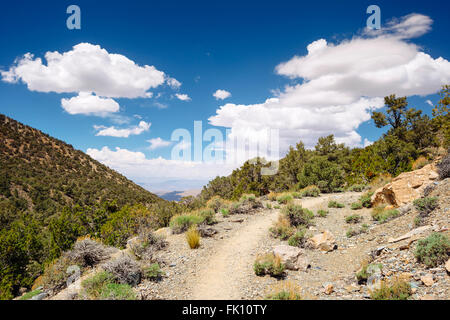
(43, 174)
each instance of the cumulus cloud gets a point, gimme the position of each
(158, 143)
(429, 103)
(182, 97)
(137, 167)
(411, 26)
(86, 68)
(339, 85)
(221, 94)
(173, 83)
(122, 133)
(87, 103)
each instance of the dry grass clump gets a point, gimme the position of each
(285, 290)
(380, 181)
(269, 264)
(124, 269)
(193, 238)
(419, 163)
(145, 245)
(272, 196)
(282, 228)
(395, 288)
(88, 252)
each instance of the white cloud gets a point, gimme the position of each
(158, 143)
(340, 84)
(137, 167)
(182, 97)
(173, 83)
(122, 133)
(367, 142)
(429, 103)
(221, 94)
(86, 103)
(411, 26)
(85, 68)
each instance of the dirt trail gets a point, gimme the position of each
(222, 277)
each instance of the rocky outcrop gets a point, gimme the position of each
(292, 257)
(405, 188)
(324, 241)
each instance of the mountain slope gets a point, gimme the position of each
(42, 174)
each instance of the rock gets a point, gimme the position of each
(427, 280)
(293, 257)
(22, 291)
(413, 232)
(329, 289)
(447, 265)
(324, 241)
(40, 296)
(405, 188)
(374, 282)
(206, 231)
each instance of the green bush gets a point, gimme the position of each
(433, 250)
(335, 204)
(322, 213)
(357, 188)
(365, 199)
(208, 216)
(366, 271)
(426, 205)
(183, 222)
(95, 284)
(296, 195)
(298, 239)
(394, 289)
(382, 215)
(310, 191)
(356, 206)
(31, 294)
(153, 272)
(354, 218)
(282, 228)
(284, 198)
(297, 215)
(117, 291)
(225, 212)
(269, 264)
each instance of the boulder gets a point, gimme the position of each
(293, 257)
(427, 280)
(324, 241)
(328, 289)
(405, 188)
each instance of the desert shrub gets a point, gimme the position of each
(296, 195)
(276, 206)
(272, 196)
(193, 238)
(426, 205)
(335, 204)
(88, 252)
(297, 215)
(354, 218)
(269, 264)
(284, 198)
(208, 216)
(310, 191)
(365, 199)
(31, 294)
(153, 272)
(356, 206)
(382, 215)
(225, 212)
(366, 270)
(285, 290)
(246, 204)
(392, 289)
(215, 203)
(322, 213)
(95, 284)
(444, 167)
(268, 206)
(298, 239)
(419, 163)
(351, 233)
(282, 228)
(357, 188)
(55, 275)
(124, 269)
(433, 250)
(146, 244)
(118, 291)
(181, 223)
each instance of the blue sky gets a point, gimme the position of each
(206, 46)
